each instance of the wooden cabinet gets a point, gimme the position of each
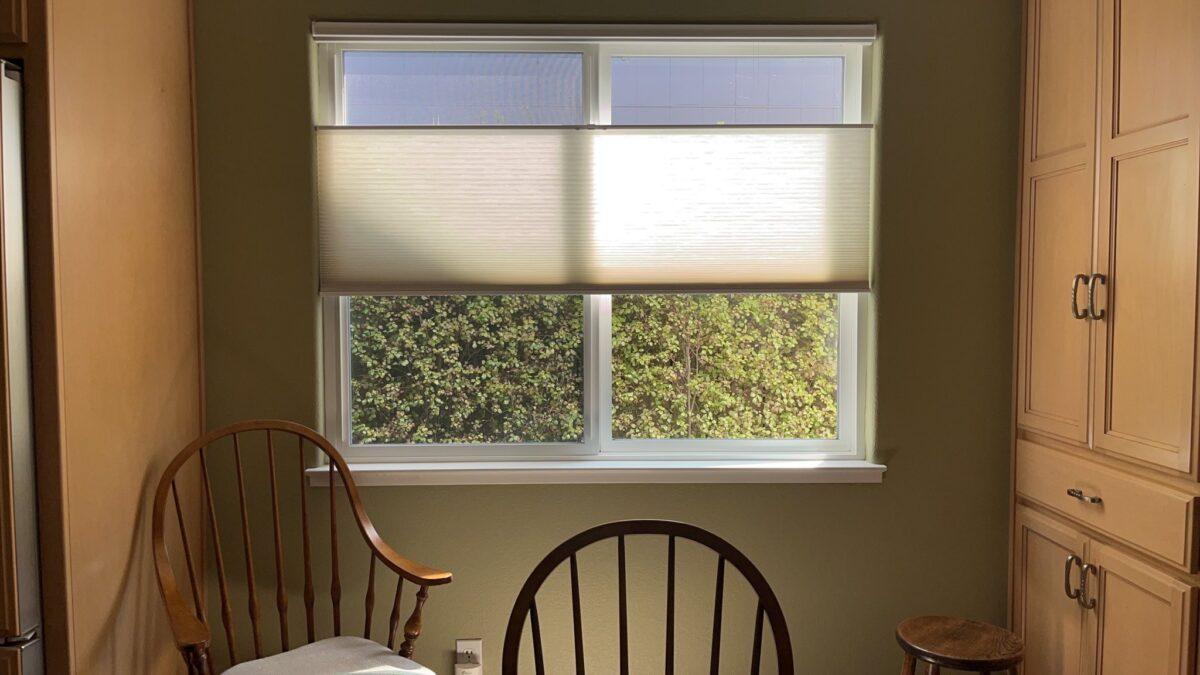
(1108, 338)
(1049, 620)
(1128, 618)
(1143, 618)
(1107, 315)
(1056, 217)
(1145, 347)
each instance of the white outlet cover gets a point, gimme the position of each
(473, 645)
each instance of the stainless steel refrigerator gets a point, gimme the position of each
(20, 590)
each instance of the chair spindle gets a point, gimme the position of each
(576, 615)
(394, 619)
(194, 641)
(369, 601)
(280, 591)
(309, 595)
(335, 580)
(412, 627)
(538, 661)
(252, 594)
(714, 663)
(623, 625)
(670, 656)
(524, 612)
(222, 585)
(756, 654)
(187, 554)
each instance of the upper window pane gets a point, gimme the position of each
(754, 366)
(463, 88)
(466, 369)
(685, 90)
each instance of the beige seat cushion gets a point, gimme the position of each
(334, 656)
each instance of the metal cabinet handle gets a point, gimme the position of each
(1091, 296)
(1083, 599)
(1075, 311)
(1072, 593)
(1087, 499)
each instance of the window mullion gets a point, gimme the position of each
(602, 372)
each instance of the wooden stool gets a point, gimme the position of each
(958, 643)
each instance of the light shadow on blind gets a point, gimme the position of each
(476, 210)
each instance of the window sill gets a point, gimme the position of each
(608, 471)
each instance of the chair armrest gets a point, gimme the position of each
(189, 632)
(415, 572)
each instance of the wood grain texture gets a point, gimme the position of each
(1050, 622)
(1151, 517)
(1144, 620)
(127, 313)
(192, 634)
(954, 642)
(1149, 179)
(1057, 216)
(1061, 57)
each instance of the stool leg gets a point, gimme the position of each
(934, 669)
(910, 665)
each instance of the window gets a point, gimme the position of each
(556, 375)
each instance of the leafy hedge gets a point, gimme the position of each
(486, 369)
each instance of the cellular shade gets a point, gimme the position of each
(550, 210)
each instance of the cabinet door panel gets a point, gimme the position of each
(1050, 622)
(1062, 75)
(1054, 344)
(1150, 326)
(1152, 54)
(12, 21)
(1057, 216)
(1143, 618)
(1146, 346)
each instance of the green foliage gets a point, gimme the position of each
(493, 369)
(725, 366)
(466, 369)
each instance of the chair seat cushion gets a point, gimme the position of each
(333, 656)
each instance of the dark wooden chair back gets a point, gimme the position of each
(526, 605)
(188, 621)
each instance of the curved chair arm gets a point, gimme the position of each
(415, 572)
(190, 633)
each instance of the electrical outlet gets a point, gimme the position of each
(469, 651)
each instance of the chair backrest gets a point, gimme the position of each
(270, 437)
(768, 604)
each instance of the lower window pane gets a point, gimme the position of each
(466, 369)
(753, 366)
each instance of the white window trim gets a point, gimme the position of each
(597, 441)
(598, 457)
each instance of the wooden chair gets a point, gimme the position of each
(188, 621)
(768, 604)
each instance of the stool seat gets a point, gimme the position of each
(963, 644)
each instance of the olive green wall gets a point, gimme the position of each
(847, 561)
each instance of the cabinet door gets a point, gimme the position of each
(12, 20)
(1143, 619)
(1050, 622)
(1146, 344)
(1057, 216)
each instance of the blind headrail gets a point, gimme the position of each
(359, 31)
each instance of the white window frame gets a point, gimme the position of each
(597, 442)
